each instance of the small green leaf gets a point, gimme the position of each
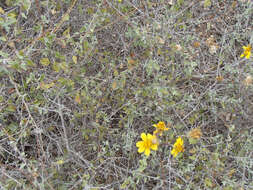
(193, 141)
(66, 33)
(207, 3)
(44, 61)
(3, 54)
(56, 67)
(11, 108)
(85, 45)
(66, 17)
(74, 58)
(208, 182)
(2, 38)
(1, 99)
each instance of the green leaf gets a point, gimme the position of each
(66, 17)
(11, 108)
(44, 61)
(85, 45)
(1, 99)
(193, 141)
(2, 38)
(192, 157)
(74, 58)
(3, 54)
(26, 5)
(208, 182)
(56, 67)
(207, 3)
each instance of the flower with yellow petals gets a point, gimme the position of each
(178, 147)
(247, 51)
(160, 127)
(148, 142)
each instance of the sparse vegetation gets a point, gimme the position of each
(82, 80)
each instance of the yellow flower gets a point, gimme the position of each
(148, 142)
(178, 147)
(195, 133)
(247, 51)
(160, 127)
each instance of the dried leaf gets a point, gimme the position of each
(196, 44)
(160, 40)
(234, 4)
(192, 151)
(131, 63)
(247, 81)
(114, 85)
(219, 78)
(11, 44)
(213, 46)
(210, 41)
(195, 133)
(170, 2)
(178, 47)
(213, 49)
(53, 11)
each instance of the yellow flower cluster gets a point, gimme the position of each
(150, 142)
(247, 51)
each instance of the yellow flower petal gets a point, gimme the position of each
(180, 141)
(174, 153)
(248, 55)
(140, 144)
(155, 132)
(141, 149)
(143, 136)
(147, 152)
(150, 137)
(154, 146)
